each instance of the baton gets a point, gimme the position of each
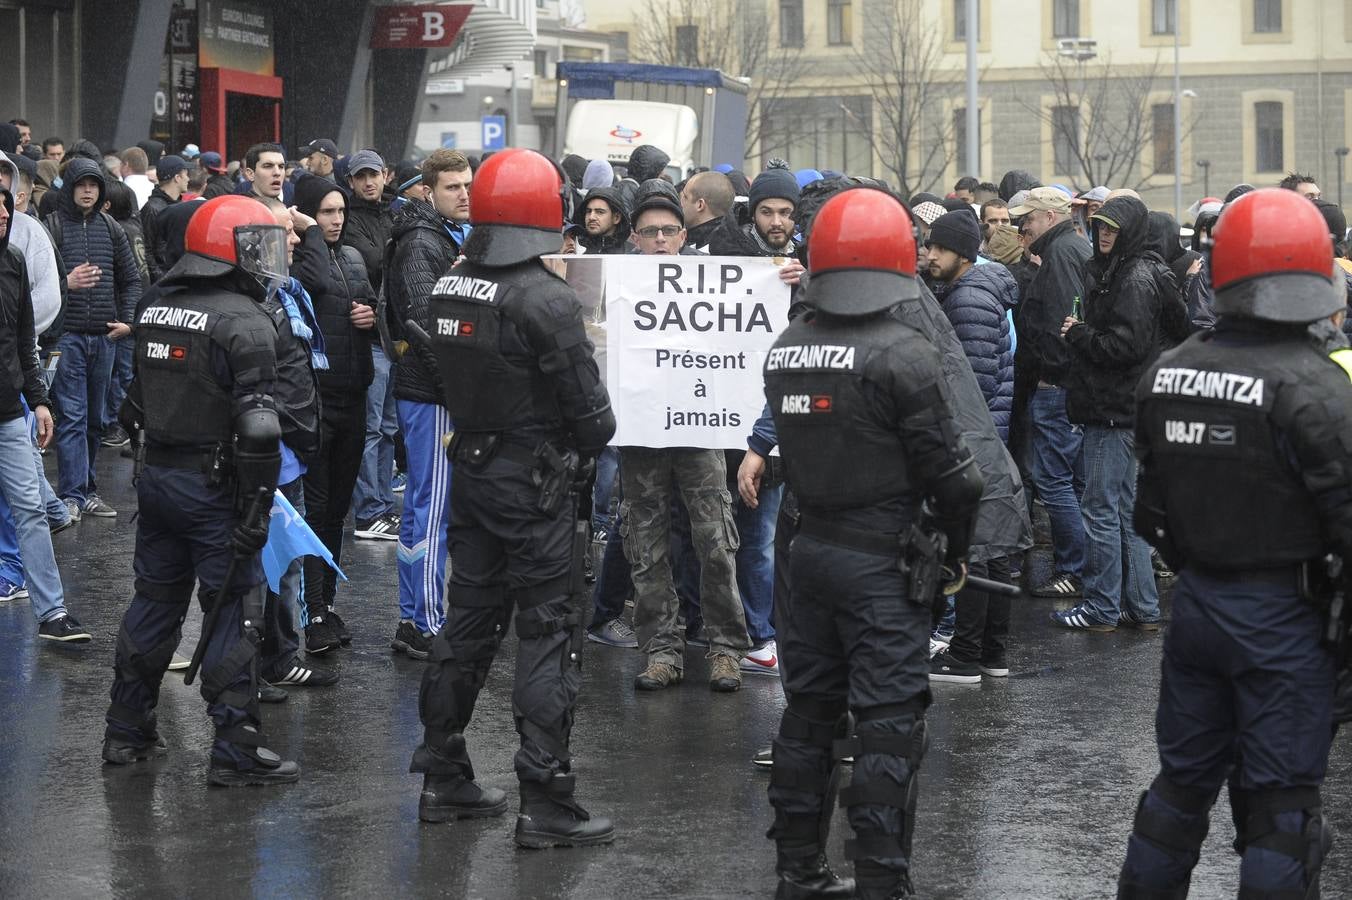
(993, 587)
(209, 623)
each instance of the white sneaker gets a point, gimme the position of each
(763, 660)
(937, 645)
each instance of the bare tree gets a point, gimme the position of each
(900, 53)
(733, 36)
(1111, 118)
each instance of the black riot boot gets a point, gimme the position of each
(877, 882)
(806, 875)
(550, 817)
(447, 797)
(264, 767)
(123, 752)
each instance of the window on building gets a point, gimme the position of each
(1066, 139)
(687, 45)
(1162, 137)
(582, 54)
(1065, 18)
(960, 20)
(1268, 137)
(823, 132)
(964, 165)
(790, 23)
(1163, 16)
(1267, 16)
(541, 58)
(839, 22)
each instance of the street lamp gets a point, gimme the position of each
(1341, 155)
(1178, 122)
(1205, 165)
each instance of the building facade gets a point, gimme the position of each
(1078, 92)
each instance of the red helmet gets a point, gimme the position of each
(1272, 259)
(231, 233)
(517, 203)
(861, 253)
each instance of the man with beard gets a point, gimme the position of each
(606, 221)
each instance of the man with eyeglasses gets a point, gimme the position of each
(647, 477)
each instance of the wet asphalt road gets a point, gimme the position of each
(1027, 792)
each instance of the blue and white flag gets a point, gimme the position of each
(289, 537)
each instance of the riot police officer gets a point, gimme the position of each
(206, 364)
(530, 413)
(866, 428)
(1245, 440)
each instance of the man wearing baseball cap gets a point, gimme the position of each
(1053, 295)
(319, 156)
(219, 184)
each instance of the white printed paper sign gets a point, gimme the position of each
(686, 340)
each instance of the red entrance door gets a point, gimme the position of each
(239, 109)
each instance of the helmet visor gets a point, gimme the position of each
(261, 251)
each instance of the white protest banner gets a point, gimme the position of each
(687, 338)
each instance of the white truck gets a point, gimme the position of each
(696, 116)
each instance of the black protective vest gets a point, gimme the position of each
(836, 392)
(1216, 420)
(492, 377)
(177, 341)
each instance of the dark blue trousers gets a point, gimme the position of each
(1246, 695)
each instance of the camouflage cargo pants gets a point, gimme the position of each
(648, 477)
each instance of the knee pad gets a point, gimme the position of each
(1260, 829)
(160, 592)
(1168, 832)
(810, 721)
(135, 664)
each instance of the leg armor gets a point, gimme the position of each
(1284, 841)
(1166, 839)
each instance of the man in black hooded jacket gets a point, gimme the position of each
(344, 306)
(605, 218)
(645, 162)
(1117, 340)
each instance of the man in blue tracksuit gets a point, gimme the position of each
(428, 235)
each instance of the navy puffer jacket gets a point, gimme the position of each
(98, 239)
(976, 304)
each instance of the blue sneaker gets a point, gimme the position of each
(398, 482)
(11, 591)
(1077, 618)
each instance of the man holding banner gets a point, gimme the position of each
(647, 475)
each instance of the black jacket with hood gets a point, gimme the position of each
(1162, 240)
(98, 239)
(343, 385)
(1119, 335)
(645, 162)
(1051, 297)
(20, 372)
(618, 240)
(424, 245)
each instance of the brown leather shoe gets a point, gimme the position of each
(725, 673)
(658, 675)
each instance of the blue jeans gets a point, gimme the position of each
(123, 353)
(80, 391)
(23, 499)
(1058, 474)
(606, 494)
(373, 497)
(1117, 571)
(756, 562)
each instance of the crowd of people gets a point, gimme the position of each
(1055, 301)
(1059, 299)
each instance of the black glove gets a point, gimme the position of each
(249, 537)
(586, 470)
